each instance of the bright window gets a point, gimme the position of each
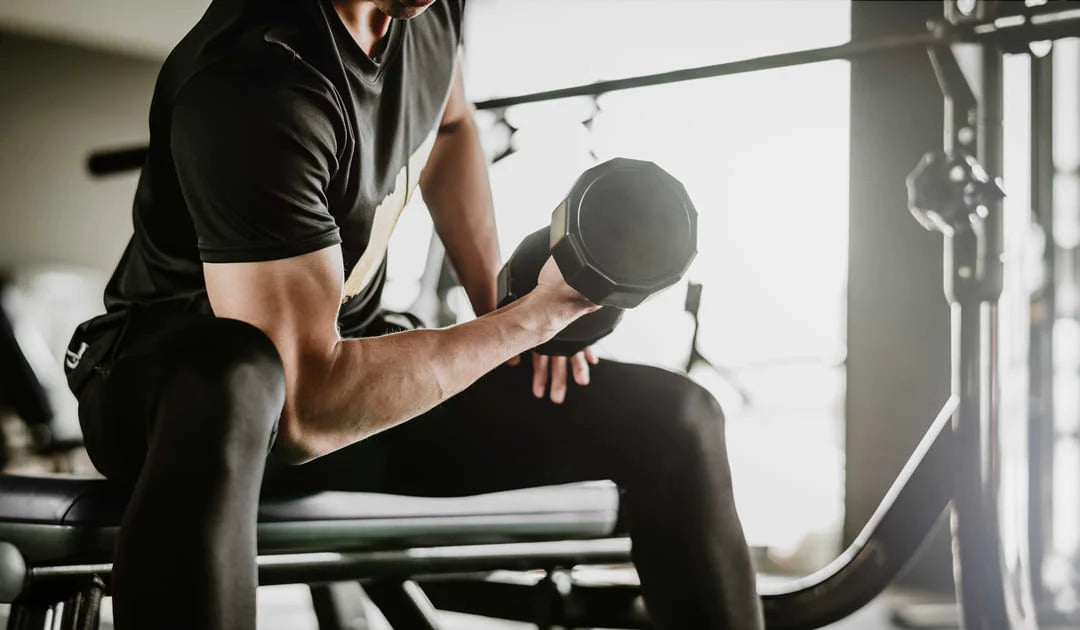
(765, 158)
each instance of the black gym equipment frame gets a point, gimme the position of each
(958, 467)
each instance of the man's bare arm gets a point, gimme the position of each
(458, 195)
(341, 391)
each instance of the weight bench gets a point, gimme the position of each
(57, 535)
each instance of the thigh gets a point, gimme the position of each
(496, 436)
(110, 407)
(119, 402)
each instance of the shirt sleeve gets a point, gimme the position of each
(457, 19)
(254, 163)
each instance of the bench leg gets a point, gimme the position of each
(403, 604)
(31, 616)
(339, 606)
(82, 610)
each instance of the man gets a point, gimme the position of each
(286, 136)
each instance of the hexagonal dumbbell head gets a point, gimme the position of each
(626, 230)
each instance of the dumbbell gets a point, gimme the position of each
(626, 230)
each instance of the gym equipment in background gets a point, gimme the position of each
(33, 334)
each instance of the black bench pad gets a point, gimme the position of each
(65, 519)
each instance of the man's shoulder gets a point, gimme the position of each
(267, 77)
(251, 60)
(270, 65)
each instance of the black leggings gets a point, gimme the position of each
(186, 416)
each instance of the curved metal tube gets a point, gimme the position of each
(891, 537)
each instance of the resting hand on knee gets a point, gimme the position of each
(558, 367)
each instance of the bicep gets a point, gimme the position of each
(294, 301)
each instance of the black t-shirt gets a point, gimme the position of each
(272, 134)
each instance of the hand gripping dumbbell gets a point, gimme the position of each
(626, 230)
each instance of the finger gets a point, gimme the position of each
(558, 379)
(514, 360)
(540, 374)
(579, 367)
(590, 356)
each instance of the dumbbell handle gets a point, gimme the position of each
(526, 262)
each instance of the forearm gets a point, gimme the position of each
(367, 385)
(457, 191)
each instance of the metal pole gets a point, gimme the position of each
(990, 544)
(989, 553)
(1041, 349)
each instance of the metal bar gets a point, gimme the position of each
(846, 50)
(116, 160)
(989, 535)
(436, 560)
(992, 580)
(30, 616)
(474, 595)
(1050, 25)
(1041, 350)
(583, 606)
(403, 604)
(339, 606)
(309, 568)
(82, 610)
(961, 106)
(892, 536)
(1043, 26)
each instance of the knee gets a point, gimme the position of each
(698, 416)
(226, 382)
(687, 419)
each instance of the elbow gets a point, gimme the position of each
(301, 434)
(448, 128)
(296, 442)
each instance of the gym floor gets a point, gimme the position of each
(289, 608)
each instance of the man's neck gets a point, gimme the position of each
(365, 23)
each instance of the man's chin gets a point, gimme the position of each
(408, 9)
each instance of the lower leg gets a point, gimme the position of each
(186, 551)
(688, 543)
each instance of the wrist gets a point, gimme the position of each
(552, 312)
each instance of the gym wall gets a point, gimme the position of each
(64, 101)
(898, 321)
